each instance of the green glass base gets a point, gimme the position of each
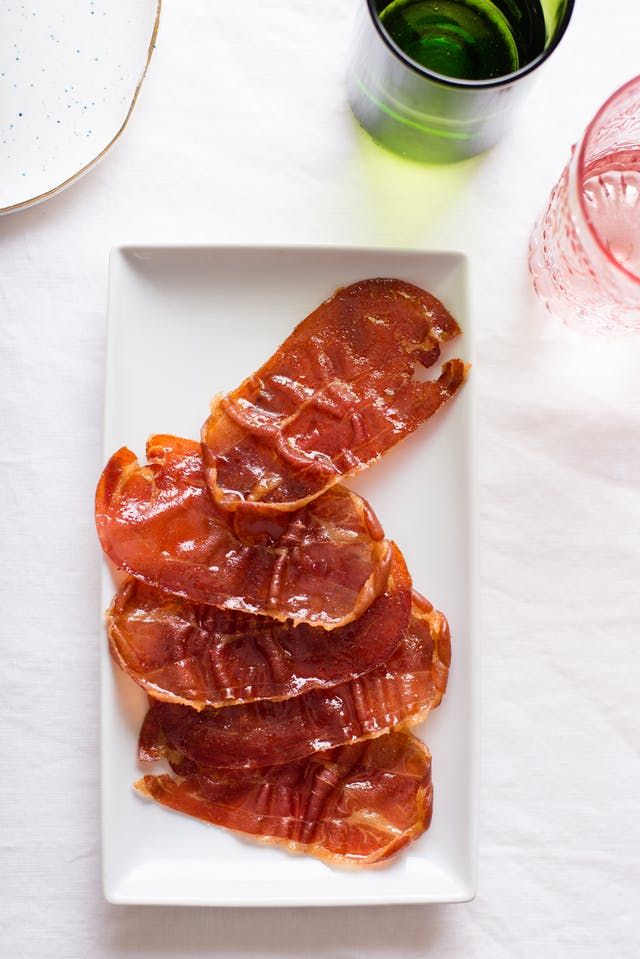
(424, 142)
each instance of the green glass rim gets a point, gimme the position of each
(458, 83)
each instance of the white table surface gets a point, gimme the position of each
(242, 134)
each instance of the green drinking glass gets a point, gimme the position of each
(438, 80)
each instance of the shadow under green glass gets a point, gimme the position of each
(437, 80)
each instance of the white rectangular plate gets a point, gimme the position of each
(185, 323)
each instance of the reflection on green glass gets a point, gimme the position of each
(467, 39)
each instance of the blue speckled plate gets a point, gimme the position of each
(70, 72)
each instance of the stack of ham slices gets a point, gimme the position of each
(269, 619)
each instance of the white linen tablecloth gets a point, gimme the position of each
(242, 134)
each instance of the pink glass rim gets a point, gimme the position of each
(619, 93)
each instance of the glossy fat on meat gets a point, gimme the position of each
(338, 393)
(402, 691)
(323, 564)
(197, 655)
(353, 806)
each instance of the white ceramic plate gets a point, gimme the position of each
(185, 323)
(70, 72)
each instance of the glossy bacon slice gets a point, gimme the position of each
(197, 655)
(352, 806)
(324, 564)
(338, 393)
(403, 690)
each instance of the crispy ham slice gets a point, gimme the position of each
(197, 655)
(353, 806)
(323, 565)
(334, 397)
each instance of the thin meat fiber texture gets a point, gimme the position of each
(197, 655)
(339, 392)
(352, 806)
(402, 691)
(324, 564)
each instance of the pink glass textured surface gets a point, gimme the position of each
(584, 254)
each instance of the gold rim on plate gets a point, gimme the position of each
(32, 201)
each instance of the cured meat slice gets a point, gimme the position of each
(403, 690)
(352, 806)
(338, 393)
(323, 565)
(198, 655)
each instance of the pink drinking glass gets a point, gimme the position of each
(584, 254)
